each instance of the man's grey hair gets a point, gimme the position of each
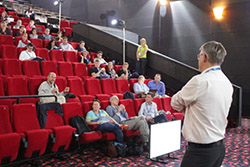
(215, 52)
(113, 97)
(51, 73)
(141, 77)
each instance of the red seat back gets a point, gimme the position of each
(80, 69)
(34, 84)
(138, 103)
(53, 119)
(129, 105)
(64, 23)
(17, 86)
(132, 81)
(70, 56)
(87, 106)
(147, 81)
(158, 102)
(70, 110)
(74, 44)
(56, 55)
(31, 68)
(47, 67)
(6, 40)
(93, 86)
(19, 50)
(12, 67)
(5, 126)
(117, 68)
(166, 102)
(108, 86)
(42, 52)
(61, 83)
(45, 43)
(65, 69)
(122, 85)
(76, 86)
(8, 51)
(37, 42)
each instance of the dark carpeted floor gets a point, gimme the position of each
(236, 142)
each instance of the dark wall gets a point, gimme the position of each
(185, 27)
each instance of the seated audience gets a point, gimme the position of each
(53, 45)
(103, 121)
(81, 47)
(21, 31)
(33, 33)
(149, 110)
(9, 28)
(31, 25)
(98, 72)
(99, 57)
(24, 41)
(59, 36)
(4, 30)
(140, 88)
(65, 46)
(110, 70)
(18, 24)
(50, 88)
(157, 86)
(29, 54)
(46, 34)
(119, 114)
(84, 57)
(125, 73)
(4, 16)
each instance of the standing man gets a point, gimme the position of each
(141, 57)
(205, 101)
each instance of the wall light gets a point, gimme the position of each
(218, 12)
(163, 2)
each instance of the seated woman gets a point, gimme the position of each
(31, 25)
(29, 54)
(33, 33)
(24, 41)
(140, 88)
(52, 45)
(21, 31)
(103, 121)
(110, 70)
(84, 57)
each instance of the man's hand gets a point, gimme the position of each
(151, 120)
(103, 69)
(98, 122)
(54, 90)
(121, 107)
(66, 89)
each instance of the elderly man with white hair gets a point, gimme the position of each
(50, 88)
(119, 114)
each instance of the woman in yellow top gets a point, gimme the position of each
(141, 57)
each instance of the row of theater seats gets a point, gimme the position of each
(23, 132)
(11, 67)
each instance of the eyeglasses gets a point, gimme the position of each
(199, 55)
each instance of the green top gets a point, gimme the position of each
(141, 49)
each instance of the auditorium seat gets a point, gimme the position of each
(9, 141)
(71, 23)
(31, 68)
(80, 69)
(43, 53)
(64, 23)
(122, 85)
(18, 86)
(74, 44)
(93, 87)
(19, 50)
(93, 55)
(6, 40)
(14, 30)
(73, 109)
(25, 122)
(117, 68)
(132, 81)
(13, 14)
(137, 104)
(158, 102)
(47, 67)
(109, 87)
(56, 55)
(166, 102)
(147, 80)
(34, 83)
(70, 56)
(17, 39)
(38, 43)
(12, 67)
(45, 43)
(104, 104)
(65, 69)
(63, 133)
(61, 82)
(7, 102)
(67, 31)
(25, 20)
(41, 27)
(76, 87)
(8, 52)
(89, 67)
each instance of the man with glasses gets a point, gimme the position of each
(29, 54)
(205, 101)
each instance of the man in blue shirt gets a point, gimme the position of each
(158, 86)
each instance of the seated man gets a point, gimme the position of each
(24, 41)
(46, 34)
(4, 30)
(140, 88)
(125, 73)
(99, 57)
(29, 54)
(65, 46)
(98, 72)
(50, 88)
(149, 110)
(119, 114)
(157, 86)
(103, 121)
